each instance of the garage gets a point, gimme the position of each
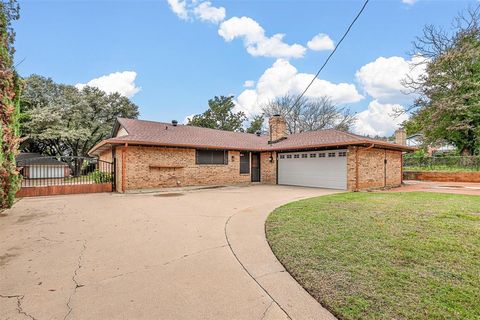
(323, 169)
(39, 171)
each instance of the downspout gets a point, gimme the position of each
(356, 169)
(124, 166)
(385, 169)
(276, 168)
(401, 168)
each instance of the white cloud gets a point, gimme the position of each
(283, 78)
(382, 78)
(255, 40)
(249, 83)
(205, 12)
(179, 7)
(121, 82)
(253, 35)
(409, 1)
(188, 118)
(321, 42)
(379, 119)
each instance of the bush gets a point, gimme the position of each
(10, 87)
(443, 163)
(101, 177)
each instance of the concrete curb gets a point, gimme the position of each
(245, 233)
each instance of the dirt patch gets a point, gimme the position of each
(6, 257)
(29, 217)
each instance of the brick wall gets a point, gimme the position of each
(153, 167)
(278, 127)
(394, 168)
(372, 171)
(442, 176)
(268, 169)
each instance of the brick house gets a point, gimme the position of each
(151, 154)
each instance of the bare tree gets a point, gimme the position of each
(435, 42)
(286, 107)
(310, 114)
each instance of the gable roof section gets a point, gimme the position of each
(142, 132)
(31, 158)
(160, 133)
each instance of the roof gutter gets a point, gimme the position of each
(371, 144)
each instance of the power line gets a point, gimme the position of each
(332, 53)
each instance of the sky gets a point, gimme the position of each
(170, 57)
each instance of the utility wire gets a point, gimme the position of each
(332, 53)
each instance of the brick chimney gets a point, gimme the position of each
(278, 128)
(401, 137)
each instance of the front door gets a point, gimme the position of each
(255, 167)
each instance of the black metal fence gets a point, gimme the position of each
(442, 163)
(56, 171)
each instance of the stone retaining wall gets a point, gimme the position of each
(442, 176)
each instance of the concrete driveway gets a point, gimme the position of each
(194, 255)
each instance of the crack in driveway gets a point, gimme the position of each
(166, 262)
(270, 273)
(19, 298)
(266, 310)
(74, 279)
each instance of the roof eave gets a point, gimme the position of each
(344, 144)
(96, 150)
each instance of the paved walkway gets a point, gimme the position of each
(194, 255)
(468, 188)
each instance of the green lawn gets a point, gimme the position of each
(384, 255)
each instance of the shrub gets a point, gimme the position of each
(101, 177)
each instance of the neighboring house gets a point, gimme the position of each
(151, 154)
(36, 166)
(417, 141)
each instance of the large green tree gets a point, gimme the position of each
(256, 124)
(60, 119)
(220, 115)
(448, 107)
(10, 87)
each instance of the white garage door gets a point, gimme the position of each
(37, 172)
(325, 169)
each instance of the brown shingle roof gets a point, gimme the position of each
(141, 132)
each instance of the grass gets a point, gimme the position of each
(384, 255)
